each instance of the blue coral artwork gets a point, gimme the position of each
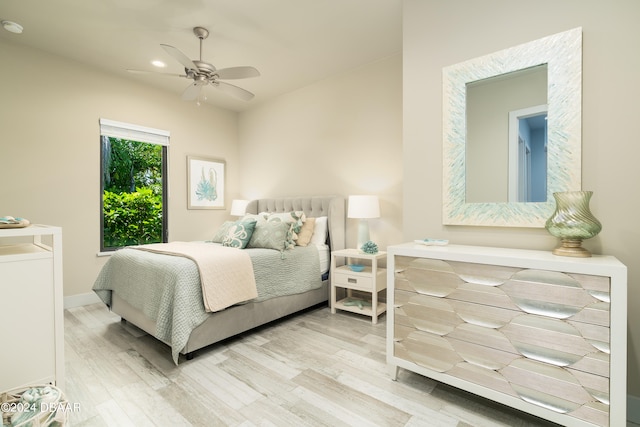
(206, 189)
(205, 183)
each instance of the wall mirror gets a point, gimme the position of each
(512, 132)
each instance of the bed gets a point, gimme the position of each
(174, 321)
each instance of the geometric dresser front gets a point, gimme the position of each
(538, 332)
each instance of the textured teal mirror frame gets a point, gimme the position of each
(562, 53)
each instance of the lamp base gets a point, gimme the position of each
(363, 233)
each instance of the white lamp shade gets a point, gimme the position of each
(239, 207)
(363, 207)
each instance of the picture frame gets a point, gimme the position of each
(205, 183)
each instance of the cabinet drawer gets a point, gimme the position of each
(494, 357)
(555, 341)
(418, 306)
(487, 358)
(353, 281)
(576, 297)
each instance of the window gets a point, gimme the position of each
(133, 185)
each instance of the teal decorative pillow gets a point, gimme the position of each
(239, 234)
(261, 217)
(270, 235)
(222, 231)
(295, 219)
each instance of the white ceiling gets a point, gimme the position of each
(293, 43)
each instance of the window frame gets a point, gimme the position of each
(121, 130)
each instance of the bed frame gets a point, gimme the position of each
(241, 318)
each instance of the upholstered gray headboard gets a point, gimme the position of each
(330, 206)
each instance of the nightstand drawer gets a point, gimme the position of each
(353, 281)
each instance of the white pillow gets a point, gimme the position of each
(320, 231)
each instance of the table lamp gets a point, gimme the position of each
(363, 208)
(239, 207)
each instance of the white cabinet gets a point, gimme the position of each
(31, 307)
(542, 333)
(371, 279)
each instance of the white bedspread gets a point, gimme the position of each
(226, 274)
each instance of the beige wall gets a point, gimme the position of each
(50, 159)
(439, 33)
(339, 136)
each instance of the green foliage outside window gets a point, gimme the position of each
(132, 192)
(132, 218)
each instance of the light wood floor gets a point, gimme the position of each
(312, 369)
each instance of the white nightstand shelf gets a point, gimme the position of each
(372, 280)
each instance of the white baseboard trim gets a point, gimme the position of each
(81, 299)
(633, 409)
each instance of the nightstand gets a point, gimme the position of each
(372, 279)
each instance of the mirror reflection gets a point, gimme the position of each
(528, 154)
(506, 137)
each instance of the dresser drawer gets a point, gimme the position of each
(575, 297)
(487, 358)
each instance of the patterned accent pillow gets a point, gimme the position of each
(270, 235)
(295, 218)
(239, 234)
(222, 231)
(304, 236)
(261, 217)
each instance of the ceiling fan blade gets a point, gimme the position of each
(180, 57)
(191, 92)
(155, 72)
(237, 73)
(236, 91)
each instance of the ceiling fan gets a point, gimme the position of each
(203, 73)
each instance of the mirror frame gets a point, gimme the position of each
(563, 54)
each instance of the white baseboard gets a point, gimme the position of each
(81, 299)
(633, 409)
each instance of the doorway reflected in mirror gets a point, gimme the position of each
(528, 154)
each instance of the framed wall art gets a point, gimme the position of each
(205, 183)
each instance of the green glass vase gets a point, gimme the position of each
(572, 222)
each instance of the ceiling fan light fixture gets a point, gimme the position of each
(12, 27)
(205, 74)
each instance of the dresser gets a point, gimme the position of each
(541, 333)
(31, 307)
